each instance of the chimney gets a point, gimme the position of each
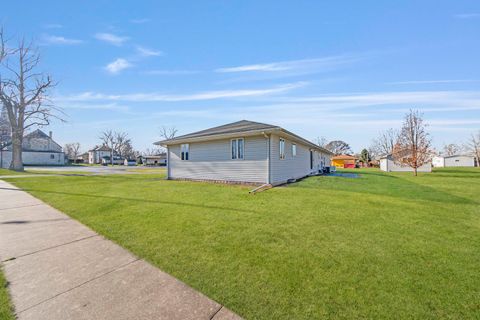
(50, 134)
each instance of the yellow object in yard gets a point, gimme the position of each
(344, 161)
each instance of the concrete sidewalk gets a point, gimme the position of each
(58, 268)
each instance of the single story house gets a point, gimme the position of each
(243, 152)
(154, 160)
(130, 162)
(117, 160)
(388, 164)
(38, 149)
(344, 161)
(453, 161)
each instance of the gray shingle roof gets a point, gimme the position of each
(234, 127)
(242, 126)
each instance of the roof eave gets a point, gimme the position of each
(165, 143)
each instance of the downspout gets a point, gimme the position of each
(269, 173)
(168, 163)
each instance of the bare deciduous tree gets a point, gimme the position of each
(451, 149)
(321, 142)
(121, 142)
(413, 144)
(338, 147)
(24, 93)
(108, 139)
(168, 133)
(384, 144)
(72, 150)
(473, 146)
(152, 152)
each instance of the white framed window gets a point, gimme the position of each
(294, 150)
(185, 150)
(281, 148)
(237, 148)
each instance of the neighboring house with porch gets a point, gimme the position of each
(38, 148)
(96, 154)
(244, 152)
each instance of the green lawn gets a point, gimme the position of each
(6, 310)
(378, 246)
(6, 172)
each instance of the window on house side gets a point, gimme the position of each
(282, 148)
(237, 148)
(234, 149)
(294, 149)
(185, 150)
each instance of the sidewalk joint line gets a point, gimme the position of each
(26, 206)
(45, 249)
(215, 313)
(79, 285)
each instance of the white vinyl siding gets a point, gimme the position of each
(293, 167)
(212, 160)
(459, 161)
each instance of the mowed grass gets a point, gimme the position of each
(384, 245)
(6, 310)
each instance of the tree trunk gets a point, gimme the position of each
(17, 161)
(415, 171)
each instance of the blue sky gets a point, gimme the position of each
(343, 70)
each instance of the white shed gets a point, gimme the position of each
(387, 164)
(453, 161)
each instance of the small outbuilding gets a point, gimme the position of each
(389, 165)
(344, 161)
(453, 161)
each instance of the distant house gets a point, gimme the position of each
(453, 161)
(96, 154)
(243, 152)
(129, 162)
(117, 160)
(38, 148)
(154, 160)
(344, 161)
(388, 164)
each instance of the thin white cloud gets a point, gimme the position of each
(117, 65)
(140, 20)
(433, 81)
(111, 38)
(52, 26)
(467, 15)
(146, 52)
(94, 106)
(306, 65)
(208, 95)
(415, 98)
(170, 72)
(59, 40)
